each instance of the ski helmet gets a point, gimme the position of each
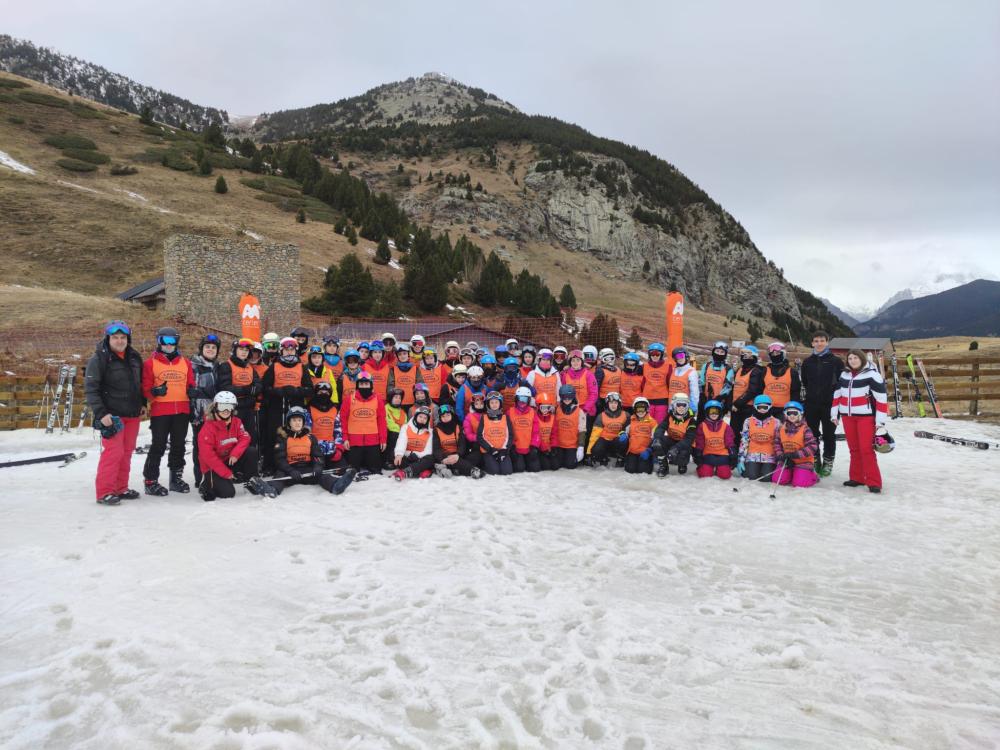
(640, 401)
(118, 326)
(613, 396)
(590, 353)
(300, 331)
(271, 341)
(632, 357)
(428, 351)
(512, 342)
(679, 398)
(882, 441)
(417, 339)
(545, 354)
(522, 395)
(794, 406)
(388, 337)
(376, 346)
(487, 359)
(476, 373)
(567, 392)
(225, 400)
(775, 346)
(545, 403)
(679, 350)
(450, 345)
(576, 354)
(242, 343)
(713, 404)
(331, 339)
(656, 346)
(721, 345)
(479, 395)
(460, 369)
(314, 349)
(607, 356)
(168, 336)
(749, 351)
(352, 353)
(421, 411)
(511, 362)
(445, 409)
(560, 350)
(289, 343)
(323, 385)
(494, 395)
(393, 392)
(762, 400)
(364, 345)
(297, 411)
(364, 379)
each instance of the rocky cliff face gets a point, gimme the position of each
(699, 257)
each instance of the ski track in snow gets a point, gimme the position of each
(6, 160)
(581, 609)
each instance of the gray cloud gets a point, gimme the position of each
(856, 132)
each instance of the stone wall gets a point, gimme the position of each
(206, 276)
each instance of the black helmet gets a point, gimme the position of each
(567, 391)
(297, 411)
(167, 332)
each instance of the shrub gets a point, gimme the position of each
(7, 98)
(86, 112)
(123, 169)
(204, 167)
(220, 185)
(10, 83)
(174, 159)
(75, 165)
(93, 157)
(15, 120)
(146, 115)
(68, 140)
(46, 100)
(973, 346)
(300, 216)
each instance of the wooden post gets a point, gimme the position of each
(974, 404)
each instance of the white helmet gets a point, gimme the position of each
(641, 400)
(388, 335)
(679, 398)
(402, 346)
(417, 339)
(460, 369)
(513, 342)
(613, 395)
(589, 353)
(607, 355)
(476, 372)
(523, 392)
(225, 400)
(450, 345)
(560, 349)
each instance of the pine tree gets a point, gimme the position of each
(300, 216)
(352, 235)
(205, 166)
(340, 225)
(634, 340)
(567, 298)
(220, 185)
(382, 253)
(753, 332)
(388, 300)
(146, 115)
(602, 333)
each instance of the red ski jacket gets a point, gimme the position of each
(218, 441)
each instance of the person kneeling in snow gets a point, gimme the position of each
(756, 456)
(415, 447)
(675, 435)
(300, 458)
(449, 447)
(638, 438)
(714, 444)
(496, 437)
(795, 450)
(224, 452)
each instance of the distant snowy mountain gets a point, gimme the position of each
(90, 81)
(845, 317)
(971, 309)
(942, 282)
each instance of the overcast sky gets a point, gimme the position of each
(858, 142)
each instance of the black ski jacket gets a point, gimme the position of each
(113, 385)
(820, 375)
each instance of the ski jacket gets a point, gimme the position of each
(820, 374)
(413, 439)
(748, 383)
(218, 441)
(676, 432)
(545, 381)
(324, 373)
(164, 405)
(860, 394)
(362, 420)
(722, 375)
(686, 373)
(798, 435)
(463, 398)
(776, 375)
(287, 384)
(495, 433)
(113, 384)
(241, 379)
(448, 442)
(205, 377)
(286, 451)
(714, 455)
(470, 425)
(524, 424)
(757, 439)
(585, 383)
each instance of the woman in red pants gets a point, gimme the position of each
(860, 401)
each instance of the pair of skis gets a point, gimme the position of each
(980, 444)
(914, 365)
(64, 386)
(66, 458)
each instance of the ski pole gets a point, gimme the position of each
(780, 471)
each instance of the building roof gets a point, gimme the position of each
(865, 344)
(145, 289)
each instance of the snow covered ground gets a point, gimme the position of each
(575, 610)
(6, 160)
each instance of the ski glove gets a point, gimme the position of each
(579, 453)
(623, 438)
(159, 390)
(295, 475)
(741, 468)
(644, 455)
(193, 391)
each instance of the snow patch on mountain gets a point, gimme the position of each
(6, 160)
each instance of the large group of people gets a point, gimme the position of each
(288, 410)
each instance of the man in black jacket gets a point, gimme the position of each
(820, 373)
(113, 389)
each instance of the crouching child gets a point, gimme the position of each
(795, 450)
(225, 454)
(638, 439)
(449, 447)
(415, 447)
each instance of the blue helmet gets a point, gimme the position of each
(376, 346)
(511, 362)
(632, 357)
(500, 349)
(794, 405)
(762, 400)
(352, 353)
(657, 347)
(364, 345)
(750, 349)
(713, 404)
(488, 359)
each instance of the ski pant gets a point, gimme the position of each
(548, 461)
(474, 457)
(326, 481)
(681, 456)
(389, 454)
(248, 416)
(462, 467)
(605, 449)
(797, 476)
(365, 457)
(195, 429)
(499, 464)
(659, 411)
(523, 462)
(738, 417)
(565, 458)
(722, 471)
(417, 465)
(757, 471)
(864, 464)
(818, 419)
(271, 418)
(174, 426)
(116, 459)
(243, 469)
(636, 465)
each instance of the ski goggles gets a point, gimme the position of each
(788, 412)
(117, 326)
(763, 408)
(168, 340)
(210, 338)
(271, 346)
(248, 343)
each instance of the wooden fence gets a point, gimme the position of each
(966, 386)
(22, 396)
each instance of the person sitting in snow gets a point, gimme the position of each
(638, 438)
(414, 454)
(225, 453)
(299, 457)
(674, 437)
(756, 454)
(524, 424)
(496, 437)
(715, 452)
(450, 447)
(610, 423)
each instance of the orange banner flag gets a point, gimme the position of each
(675, 321)
(249, 311)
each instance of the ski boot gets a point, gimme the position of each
(128, 495)
(109, 500)
(663, 469)
(257, 486)
(443, 471)
(206, 494)
(177, 484)
(476, 473)
(827, 468)
(426, 474)
(343, 482)
(153, 487)
(852, 483)
(682, 469)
